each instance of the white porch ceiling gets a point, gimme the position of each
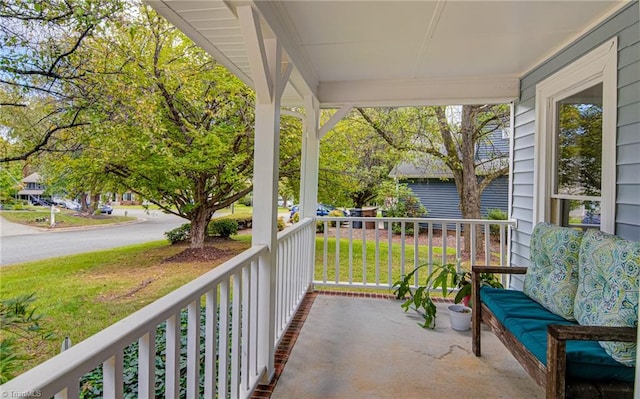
(394, 52)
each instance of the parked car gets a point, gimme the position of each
(105, 209)
(73, 205)
(321, 210)
(41, 202)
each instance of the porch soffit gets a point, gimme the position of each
(384, 53)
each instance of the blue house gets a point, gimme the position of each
(432, 182)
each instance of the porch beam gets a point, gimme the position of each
(335, 118)
(434, 91)
(310, 158)
(250, 27)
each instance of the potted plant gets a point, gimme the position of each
(446, 278)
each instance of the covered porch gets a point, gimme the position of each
(373, 350)
(224, 329)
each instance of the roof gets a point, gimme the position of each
(33, 178)
(430, 167)
(370, 53)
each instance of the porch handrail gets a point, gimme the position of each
(358, 268)
(60, 374)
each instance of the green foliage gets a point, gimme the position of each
(244, 220)
(443, 278)
(91, 383)
(247, 200)
(20, 325)
(296, 217)
(221, 227)
(336, 214)
(405, 204)
(281, 224)
(354, 161)
(319, 226)
(496, 214)
(179, 234)
(49, 92)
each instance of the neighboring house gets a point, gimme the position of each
(32, 188)
(127, 198)
(432, 182)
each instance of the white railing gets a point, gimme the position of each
(294, 271)
(365, 252)
(222, 338)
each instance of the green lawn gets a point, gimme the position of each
(64, 218)
(357, 264)
(82, 294)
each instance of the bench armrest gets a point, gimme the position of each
(557, 335)
(499, 269)
(591, 333)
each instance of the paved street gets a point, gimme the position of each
(20, 243)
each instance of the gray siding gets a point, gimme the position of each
(440, 198)
(624, 25)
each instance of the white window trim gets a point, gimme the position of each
(600, 65)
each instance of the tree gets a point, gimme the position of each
(354, 161)
(580, 149)
(452, 135)
(173, 126)
(43, 65)
(179, 131)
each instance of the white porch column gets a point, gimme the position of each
(310, 158)
(265, 60)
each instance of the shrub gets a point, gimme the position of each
(337, 214)
(281, 224)
(246, 200)
(245, 220)
(319, 226)
(179, 234)
(496, 214)
(91, 383)
(296, 217)
(407, 205)
(222, 227)
(18, 320)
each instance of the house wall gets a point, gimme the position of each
(624, 25)
(440, 198)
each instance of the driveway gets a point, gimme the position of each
(19, 243)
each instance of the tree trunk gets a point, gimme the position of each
(470, 192)
(199, 221)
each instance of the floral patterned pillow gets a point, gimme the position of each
(608, 288)
(552, 277)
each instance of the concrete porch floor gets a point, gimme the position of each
(355, 347)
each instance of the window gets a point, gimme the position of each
(575, 143)
(577, 159)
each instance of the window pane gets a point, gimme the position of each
(578, 158)
(575, 213)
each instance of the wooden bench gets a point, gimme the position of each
(552, 376)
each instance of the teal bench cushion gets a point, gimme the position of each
(527, 320)
(608, 288)
(552, 277)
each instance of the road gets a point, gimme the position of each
(22, 243)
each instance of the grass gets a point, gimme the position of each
(82, 294)
(64, 218)
(381, 270)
